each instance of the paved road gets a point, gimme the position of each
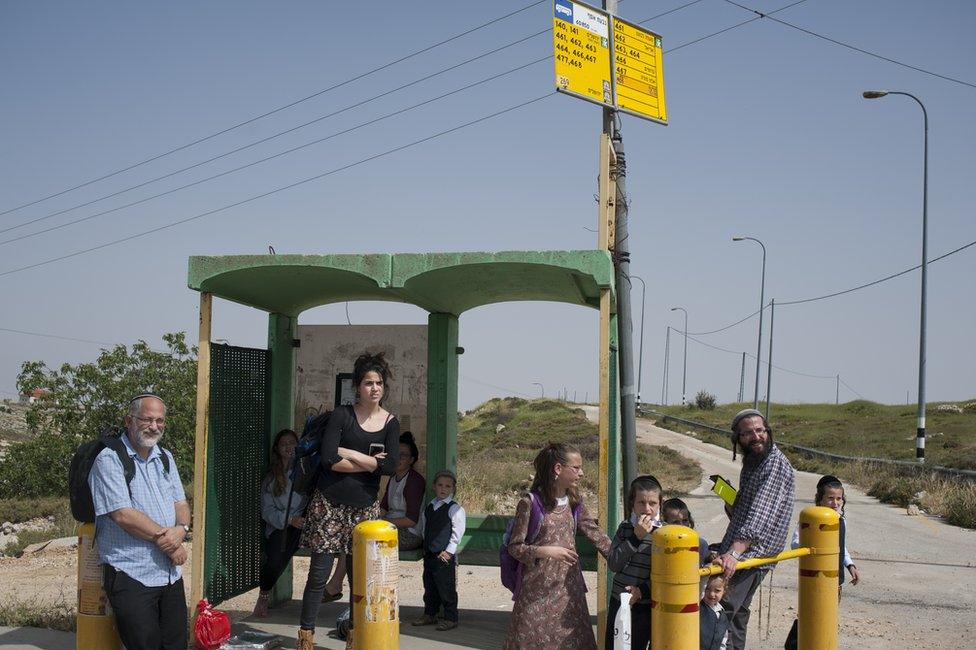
(918, 574)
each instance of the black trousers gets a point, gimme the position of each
(276, 556)
(148, 618)
(440, 587)
(640, 624)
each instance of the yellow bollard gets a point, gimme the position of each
(674, 588)
(375, 611)
(95, 621)
(819, 531)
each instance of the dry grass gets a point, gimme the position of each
(16, 611)
(495, 466)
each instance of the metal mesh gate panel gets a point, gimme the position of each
(237, 455)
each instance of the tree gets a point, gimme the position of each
(81, 400)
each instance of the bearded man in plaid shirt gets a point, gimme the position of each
(760, 516)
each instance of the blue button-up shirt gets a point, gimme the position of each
(155, 492)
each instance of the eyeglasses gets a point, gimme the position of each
(160, 422)
(575, 468)
(756, 431)
(404, 456)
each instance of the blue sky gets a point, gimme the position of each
(769, 137)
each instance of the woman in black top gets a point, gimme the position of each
(356, 451)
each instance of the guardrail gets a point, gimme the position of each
(816, 453)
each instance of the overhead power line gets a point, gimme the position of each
(252, 164)
(279, 109)
(752, 356)
(837, 293)
(487, 385)
(871, 284)
(291, 130)
(851, 47)
(276, 190)
(301, 182)
(53, 336)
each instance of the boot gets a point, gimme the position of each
(305, 639)
(349, 644)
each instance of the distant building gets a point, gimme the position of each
(32, 395)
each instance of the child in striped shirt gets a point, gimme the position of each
(630, 560)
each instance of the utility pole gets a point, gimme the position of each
(837, 396)
(621, 256)
(769, 368)
(667, 353)
(742, 378)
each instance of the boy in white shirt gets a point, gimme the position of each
(442, 526)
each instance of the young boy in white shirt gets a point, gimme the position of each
(442, 526)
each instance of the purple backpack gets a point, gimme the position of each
(511, 569)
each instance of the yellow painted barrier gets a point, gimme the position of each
(820, 532)
(95, 621)
(375, 611)
(674, 588)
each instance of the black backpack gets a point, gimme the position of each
(82, 505)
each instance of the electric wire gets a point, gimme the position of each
(851, 388)
(486, 384)
(280, 108)
(251, 164)
(276, 190)
(852, 47)
(290, 130)
(840, 293)
(301, 182)
(54, 336)
(871, 284)
(752, 356)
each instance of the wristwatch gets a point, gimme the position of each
(186, 531)
(735, 556)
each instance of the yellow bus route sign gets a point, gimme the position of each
(629, 76)
(639, 72)
(581, 41)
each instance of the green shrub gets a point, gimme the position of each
(18, 510)
(705, 401)
(37, 468)
(899, 490)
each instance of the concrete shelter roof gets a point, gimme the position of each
(438, 282)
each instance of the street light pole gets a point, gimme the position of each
(667, 354)
(920, 431)
(762, 290)
(640, 347)
(684, 370)
(541, 388)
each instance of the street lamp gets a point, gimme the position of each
(640, 348)
(541, 388)
(920, 431)
(684, 371)
(762, 290)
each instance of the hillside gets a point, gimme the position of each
(859, 428)
(498, 440)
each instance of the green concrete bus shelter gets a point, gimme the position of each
(444, 284)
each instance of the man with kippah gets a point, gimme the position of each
(760, 516)
(140, 529)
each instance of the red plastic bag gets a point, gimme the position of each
(212, 628)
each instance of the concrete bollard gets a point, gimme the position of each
(95, 621)
(818, 579)
(375, 609)
(674, 588)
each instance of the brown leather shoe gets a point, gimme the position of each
(446, 625)
(424, 620)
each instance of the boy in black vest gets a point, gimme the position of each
(442, 525)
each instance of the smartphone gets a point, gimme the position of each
(376, 448)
